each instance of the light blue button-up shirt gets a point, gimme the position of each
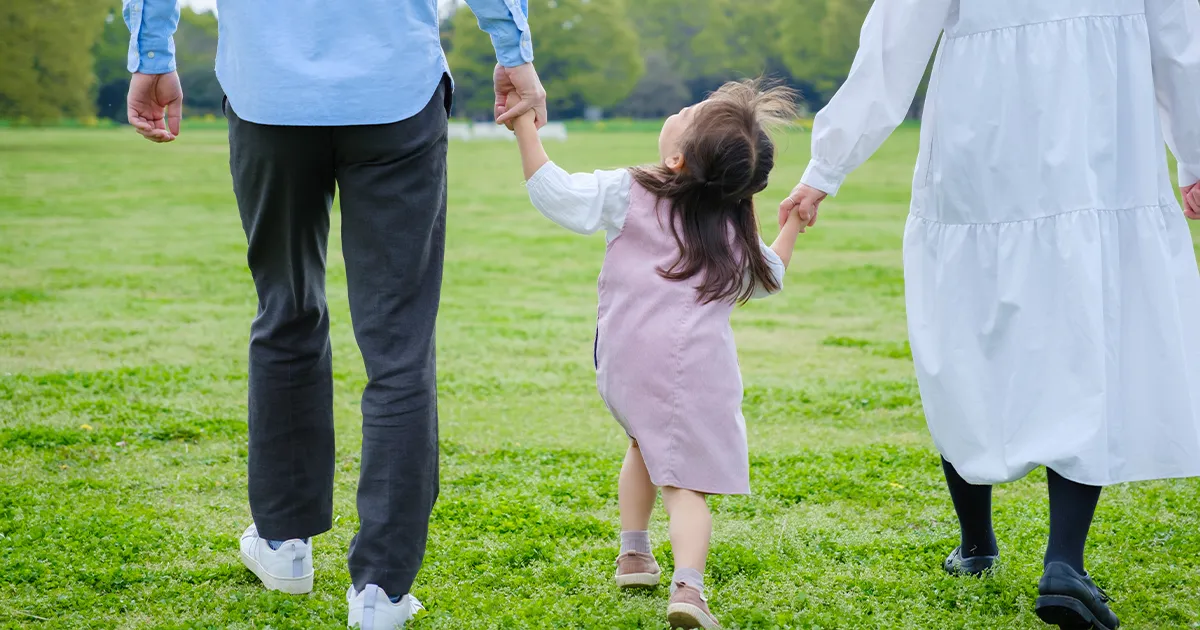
(315, 62)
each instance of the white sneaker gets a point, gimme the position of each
(373, 610)
(288, 569)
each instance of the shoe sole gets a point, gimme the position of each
(639, 580)
(1067, 613)
(958, 572)
(689, 616)
(291, 586)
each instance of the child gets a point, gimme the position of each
(683, 249)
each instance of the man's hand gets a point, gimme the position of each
(523, 80)
(1191, 201)
(149, 94)
(804, 200)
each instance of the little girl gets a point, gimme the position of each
(683, 249)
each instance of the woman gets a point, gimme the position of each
(1052, 289)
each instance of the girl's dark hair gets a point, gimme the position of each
(727, 156)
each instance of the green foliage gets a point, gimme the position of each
(472, 61)
(195, 52)
(46, 57)
(111, 54)
(124, 309)
(586, 54)
(659, 93)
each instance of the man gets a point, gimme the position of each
(324, 96)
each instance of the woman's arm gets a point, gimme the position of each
(1175, 54)
(896, 41)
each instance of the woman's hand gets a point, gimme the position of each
(804, 200)
(1191, 201)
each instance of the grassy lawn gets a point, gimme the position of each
(124, 313)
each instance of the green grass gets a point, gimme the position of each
(124, 314)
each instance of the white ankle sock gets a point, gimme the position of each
(691, 577)
(635, 541)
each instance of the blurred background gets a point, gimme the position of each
(63, 61)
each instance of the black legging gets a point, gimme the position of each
(1072, 506)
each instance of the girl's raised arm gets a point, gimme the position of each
(582, 202)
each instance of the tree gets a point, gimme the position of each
(195, 55)
(472, 60)
(708, 42)
(660, 92)
(111, 54)
(46, 56)
(586, 54)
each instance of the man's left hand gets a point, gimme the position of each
(523, 80)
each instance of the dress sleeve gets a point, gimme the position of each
(777, 270)
(582, 202)
(1175, 55)
(894, 47)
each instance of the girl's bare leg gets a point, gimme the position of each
(691, 530)
(635, 497)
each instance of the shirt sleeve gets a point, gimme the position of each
(506, 21)
(777, 270)
(894, 46)
(1175, 55)
(152, 25)
(584, 203)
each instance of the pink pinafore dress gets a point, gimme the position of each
(666, 365)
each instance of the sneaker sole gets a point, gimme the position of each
(291, 586)
(689, 616)
(1067, 613)
(639, 580)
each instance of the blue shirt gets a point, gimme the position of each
(313, 62)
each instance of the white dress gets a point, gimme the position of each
(1052, 288)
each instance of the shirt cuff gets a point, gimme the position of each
(1188, 174)
(153, 57)
(513, 47)
(823, 177)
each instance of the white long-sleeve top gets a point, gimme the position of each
(978, 71)
(587, 203)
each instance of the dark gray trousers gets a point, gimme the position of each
(392, 184)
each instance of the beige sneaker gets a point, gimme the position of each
(689, 609)
(637, 570)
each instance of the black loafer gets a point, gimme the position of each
(1072, 601)
(957, 565)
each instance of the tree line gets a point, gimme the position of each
(627, 58)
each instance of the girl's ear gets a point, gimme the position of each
(675, 162)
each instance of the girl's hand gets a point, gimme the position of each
(1191, 201)
(530, 116)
